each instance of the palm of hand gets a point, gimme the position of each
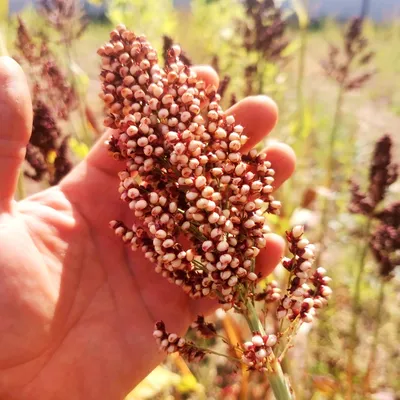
(82, 289)
(78, 307)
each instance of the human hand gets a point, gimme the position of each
(77, 308)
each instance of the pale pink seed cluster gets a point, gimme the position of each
(184, 171)
(308, 289)
(172, 343)
(256, 352)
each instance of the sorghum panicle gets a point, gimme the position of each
(256, 352)
(47, 151)
(46, 143)
(308, 289)
(62, 162)
(186, 172)
(171, 343)
(66, 16)
(383, 172)
(265, 33)
(385, 240)
(340, 64)
(48, 81)
(193, 176)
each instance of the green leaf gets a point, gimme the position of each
(139, 16)
(157, 381)
(81, 78)
(3, 21)
(4, 9)
(307, 125)
(291, 48)
(301, 12)
(187, 384)
(80, 149)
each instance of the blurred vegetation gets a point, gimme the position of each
(211, 32)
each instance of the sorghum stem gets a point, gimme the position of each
(277, 381)
(254, 321)
(275, 376)
(355, 310)
(374, 347)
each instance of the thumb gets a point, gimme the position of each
(15, 127)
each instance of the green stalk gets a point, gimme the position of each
(333, 138)
(374, 347)
(300, 143)
(301, 9)
(356, 311)
(81, 106)
(278, 383)
(275, 376)
(329, 169)
(254, 322)
(300, 74)
(260, 73)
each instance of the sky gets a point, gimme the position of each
(379, 9)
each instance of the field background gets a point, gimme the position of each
(307, 100)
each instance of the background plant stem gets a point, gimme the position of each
(21, 187)
(81, 106)
(329, 172)
(356, 310)
(365, 8)
(300, 75)
(374, 346)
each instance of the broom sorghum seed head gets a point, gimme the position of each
(163, 139)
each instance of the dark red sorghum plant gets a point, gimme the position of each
(65, 16)
(48, 81)
(263, 31)
(185, 174)
(355, 55)
(47, 150)
(382, 173)
(382, 237)
(385, 240)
